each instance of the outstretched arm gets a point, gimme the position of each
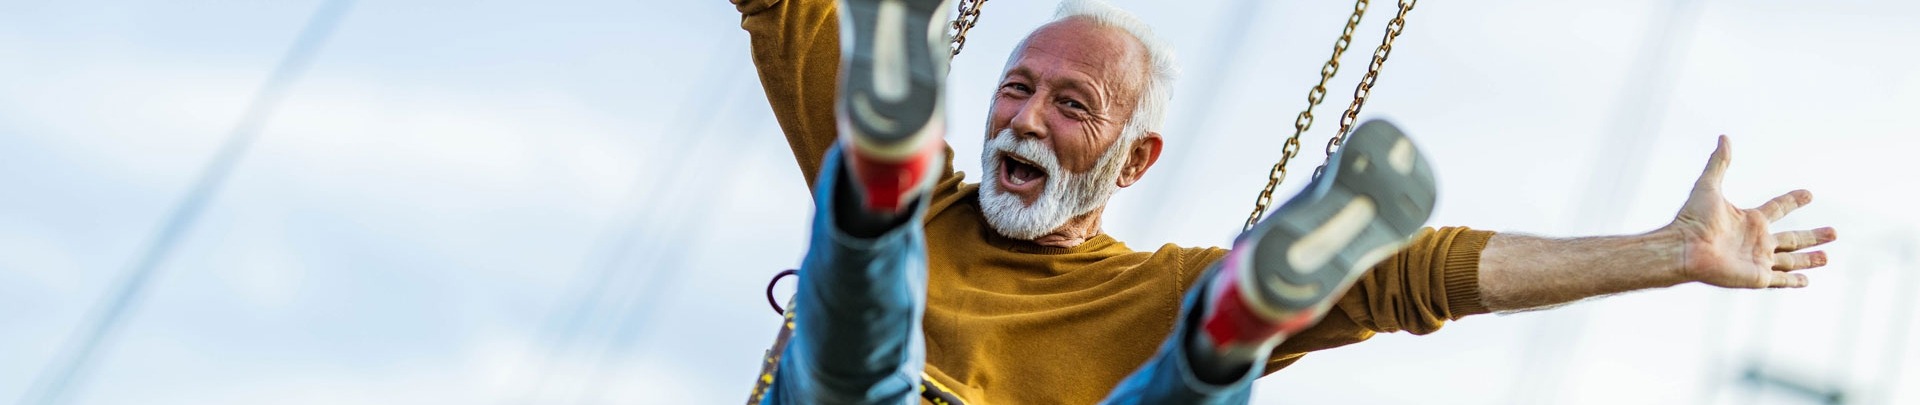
(796, 50)
(1436, 279)
(1709, 241)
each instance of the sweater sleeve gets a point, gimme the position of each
(796, 50)
(1434, 280)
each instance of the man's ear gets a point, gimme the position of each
(1140, 156)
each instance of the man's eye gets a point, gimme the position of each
(1074, 105)
(1022, 88)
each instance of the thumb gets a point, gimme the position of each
(1716, 170)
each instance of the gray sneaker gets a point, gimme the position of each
(1365, 208)
(893, 69)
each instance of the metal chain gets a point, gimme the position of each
(1365, 88)
(969, 14)
(1305, 119)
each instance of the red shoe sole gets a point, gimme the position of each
(889, 186)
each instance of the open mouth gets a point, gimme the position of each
(1020, 176)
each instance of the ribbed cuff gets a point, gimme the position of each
(1462, 270)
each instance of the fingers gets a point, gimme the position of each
(1799, 260)
(1780, 206)
(1795, 240)
(1716, 165)
(1777, 279)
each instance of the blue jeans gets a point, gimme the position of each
(857, 336)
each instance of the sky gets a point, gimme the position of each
(581, 202)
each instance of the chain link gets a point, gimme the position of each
(1365, 88)
(1305, 119)
(968, 15)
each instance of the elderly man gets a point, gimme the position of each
(1007, 291)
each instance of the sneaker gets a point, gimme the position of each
(893, 69)
(1284, 274)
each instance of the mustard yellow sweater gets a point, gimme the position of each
(1010, 322)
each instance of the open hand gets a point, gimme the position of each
(1726, 246)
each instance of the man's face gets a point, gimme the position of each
(1053, 136)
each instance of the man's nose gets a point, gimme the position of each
(1028, 121)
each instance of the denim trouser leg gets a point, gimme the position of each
(1168, 378)
(856, 338)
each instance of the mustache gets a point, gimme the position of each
(1030, 151)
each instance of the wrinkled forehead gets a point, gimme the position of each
(1080, 45)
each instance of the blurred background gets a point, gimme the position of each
(504, 202)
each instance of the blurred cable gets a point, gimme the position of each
(1792, 385)
(1235, 21)
(67, 370)
(1612, 186)
(602, 289)
(690, 226)
(646, 302)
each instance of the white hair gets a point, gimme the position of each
(1151, 108)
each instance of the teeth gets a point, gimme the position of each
(1019, 173)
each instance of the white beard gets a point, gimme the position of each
(1067, 195)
